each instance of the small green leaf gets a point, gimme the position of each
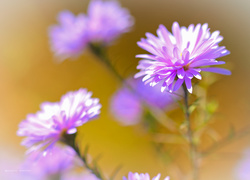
(212, 107)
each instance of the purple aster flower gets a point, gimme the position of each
(58, 161)
(69, 38)
(177, 58)
(82, 176)
(107, 21)
(127, 107)
(136, 176)
(54, 120)
(242, 171)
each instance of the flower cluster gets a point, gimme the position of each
(127, 106)
(136, 176)
(177, 58)
(104, 22)
(46, 127)
(174, 60)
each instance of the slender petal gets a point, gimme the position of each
(217, 70)
(136, 176)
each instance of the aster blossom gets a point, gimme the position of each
(177, 58)
(69, 38)
(107, 21)
(54, 120)
(136, 176)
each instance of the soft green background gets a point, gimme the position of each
(29, 75)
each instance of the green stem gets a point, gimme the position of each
(227, 140)
(193, 148)
(100, 52)
(69, 139)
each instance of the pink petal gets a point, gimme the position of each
(177, 33)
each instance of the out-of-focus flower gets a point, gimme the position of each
(58, 161)
(242, 170)
(180, 56)
(136, 176)
(81, 176)
(10, 166)
(54, 120)
(107, 21)
(69, 38)
(127, 106)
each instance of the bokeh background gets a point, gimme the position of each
(29, 75)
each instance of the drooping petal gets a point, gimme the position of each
(206, 62)
(217, 70)
(181, 73)
(188, 85)
(178, 84)
(195, 73)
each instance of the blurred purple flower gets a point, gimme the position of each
(46, 127)
(127, 106)
(107, 21)
(82, 176)
(69, 38)
(180, 56)
(242, 170)
(136, 176)
(10, 165)
(58, 161)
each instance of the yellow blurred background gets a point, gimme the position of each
(29, 75)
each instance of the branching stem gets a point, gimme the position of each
(225, 141)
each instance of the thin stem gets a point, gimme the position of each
(69, 139)
(100, 52)
(220, 144)
(56, 176)
(193, 149)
